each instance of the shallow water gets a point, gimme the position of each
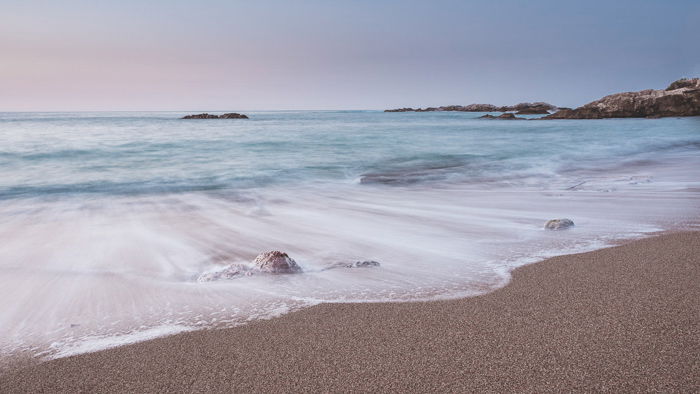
(107, 219)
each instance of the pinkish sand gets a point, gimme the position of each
(623, 319)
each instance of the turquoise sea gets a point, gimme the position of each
(107, 219)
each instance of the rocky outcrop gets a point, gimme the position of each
(276, 262)
(681, 98)
(559, 224)
(524, 108)
(230, 115)
(507, 116)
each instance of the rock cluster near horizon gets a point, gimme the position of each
(521, 109)
(681, 98)
(506, 116)
(230, 115)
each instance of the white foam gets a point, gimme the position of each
(97, 343)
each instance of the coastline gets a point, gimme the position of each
(620, 318)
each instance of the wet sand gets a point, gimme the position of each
(619, 319)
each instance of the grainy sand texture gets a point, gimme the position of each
(620, 319)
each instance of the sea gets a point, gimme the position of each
(107, 219)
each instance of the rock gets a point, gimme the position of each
(365, 264)
(230, 115)
(231, 272)
(507, 116)
(233, 115)
(276, 262)
(559, 224)
(681, 98)
(200, 116)
(400, 110)
(533, 108)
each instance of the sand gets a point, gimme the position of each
(620, 319)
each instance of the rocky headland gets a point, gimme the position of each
(681, 98)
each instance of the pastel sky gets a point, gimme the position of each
(314, 54)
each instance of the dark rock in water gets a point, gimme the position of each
(365, 264)
(201, 116)
(507, 116)
(559, 224)
(400, 110)
(233, 271)
(276, 262)
(231, 115)
(681, 98)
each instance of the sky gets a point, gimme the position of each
(312, 54)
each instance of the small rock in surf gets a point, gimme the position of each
(559, 224)
(231, 272)
(365, 264)
(276, 262)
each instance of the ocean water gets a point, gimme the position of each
(107, 219)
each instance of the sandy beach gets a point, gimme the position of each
(618, 319)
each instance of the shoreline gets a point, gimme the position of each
(618, 318)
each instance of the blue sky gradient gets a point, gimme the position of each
(224, 55)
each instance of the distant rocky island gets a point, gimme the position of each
(230, 115)
(681, 98)
(521, 109)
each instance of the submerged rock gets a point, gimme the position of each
(507, 116)
(559, 224)
(276, 262)
(231, 272)
(356, 264)
(681, 98)
(230, 115)
(364, 264)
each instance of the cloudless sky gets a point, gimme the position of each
(316, 54)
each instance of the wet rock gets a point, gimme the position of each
(276, 262)
(559, 224)
(506, 116)
(681, 98)
(231, 115)
(365, 264)
(233, 271)
(400, 110)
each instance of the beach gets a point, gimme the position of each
(624, 318)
